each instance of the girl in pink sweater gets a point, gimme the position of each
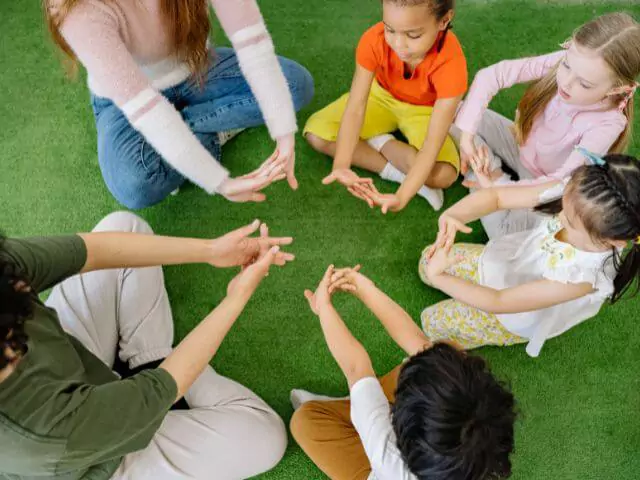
(580, 96)
(165, 102)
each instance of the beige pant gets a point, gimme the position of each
(229, 433)
(325, 432)
(496, 133)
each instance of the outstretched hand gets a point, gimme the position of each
(238, 248)
(247, 188)
(359, 187)
(448, 227)
(322, 296)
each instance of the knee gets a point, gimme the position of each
(301, 424)
(300, 82)
(271, 440)
(318, 144)
(444, 175)
(123, 221)
(423, 264)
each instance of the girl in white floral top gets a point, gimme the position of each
(537, 284)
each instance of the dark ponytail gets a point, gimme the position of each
(16, 306)
(607, 200)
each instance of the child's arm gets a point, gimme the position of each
(523, 298)
(353, 118)
(396, 321)
(488, 200)
(490, 80)
(443, 114)
(350, 355)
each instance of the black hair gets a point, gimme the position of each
(452, 418)
(438, 8)
(16, 306)
(608, 204)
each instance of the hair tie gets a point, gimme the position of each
(591, 157)
(631, 91)
(566, 45)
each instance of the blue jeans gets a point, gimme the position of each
(136, 174)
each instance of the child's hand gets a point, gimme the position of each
(481, 165)
(439, 262)
(467, 150)
(345, 279)
(362, 188)
(447, 230)
(322, 296)
(388, 202)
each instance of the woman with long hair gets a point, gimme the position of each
(165, 100)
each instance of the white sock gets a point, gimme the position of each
(298, 397)
(176, 192)
(378, 142)
(435, 196)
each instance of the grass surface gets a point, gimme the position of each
(578, 401)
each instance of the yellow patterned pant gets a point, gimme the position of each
(457, 321)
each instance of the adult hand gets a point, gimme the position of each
(247, 188)
(286, 152)
(362, 188)
(237, 248)
(321, 298)
(447, 229)
(246, 282)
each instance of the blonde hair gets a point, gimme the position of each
(187, 22)
(616, 38)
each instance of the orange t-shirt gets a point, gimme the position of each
(441, 74)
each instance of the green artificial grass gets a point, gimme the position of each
(578, 402)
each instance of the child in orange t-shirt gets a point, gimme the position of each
(410, 75)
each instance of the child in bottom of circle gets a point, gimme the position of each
(537, 284)
(440, 415)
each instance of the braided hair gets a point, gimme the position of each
(16, 306)
(608, 204)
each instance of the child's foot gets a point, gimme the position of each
(298, 397)
(224, 137)
(435, 196)
(175, 192)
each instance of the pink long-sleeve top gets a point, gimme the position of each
(550, 148)
(127, 52)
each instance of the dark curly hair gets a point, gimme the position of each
(16, 306)
(452, 418)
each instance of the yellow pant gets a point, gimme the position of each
(458, 322)
(385, 114)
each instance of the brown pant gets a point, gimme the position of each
(326, 434)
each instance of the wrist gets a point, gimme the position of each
(325, 307)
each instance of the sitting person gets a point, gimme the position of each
(65, 414)
(440, 415)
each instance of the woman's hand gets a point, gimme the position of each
(238, 248)
(247, 188)
(286, 153)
